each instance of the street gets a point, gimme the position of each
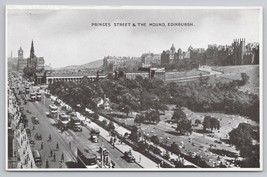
(48, 126)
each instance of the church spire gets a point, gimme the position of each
(32, 55)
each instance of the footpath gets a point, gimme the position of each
(142, 160)
(22, 149)
(121, 130)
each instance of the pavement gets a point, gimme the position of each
(121, 130)
(23, 151)
(140, 158)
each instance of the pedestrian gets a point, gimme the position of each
(54, 157)
(51, 153)
(49, 138)
(57, 147)
(42, 145)
(47, 164)
(62, 157)
(33, 127)
(112, 164)
(31, 164)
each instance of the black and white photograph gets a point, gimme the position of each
(133, 88)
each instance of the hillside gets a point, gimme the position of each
(93, 64)
(234, 72)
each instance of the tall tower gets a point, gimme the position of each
(242, 50)
(31, 62)
(172, 53)
(20, 53)
(172, 48)
(32, 55)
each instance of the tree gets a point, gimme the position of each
(184, 126)
(152, 116)
(178, 115)
(104, 122)
(139, 118)
(155, 139)
(197, 121)
(134, 134)
(241, 136)
(126, 109)
(29, 72)
(244, 79)
(95, 116)
(142, 146)
(206, 122)
(211, 123)
(175, 148)
(111, 126)
(203, 80)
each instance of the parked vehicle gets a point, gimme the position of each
(128, 156)
(86, 158)
(38, 96)
(37, 158)
(33, 96)
(94, 138)
(75, 124)
(38, 136)
(53, 110)
(27, 90)
(35, 120)
(63, 121)
(32, 143)
(28, 131)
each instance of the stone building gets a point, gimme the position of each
(34, 61)
(22, 62)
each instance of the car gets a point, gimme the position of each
(35, 120)
(38, 136)
(28, 131)
(216, 141)
(129, 157)
(32, 143)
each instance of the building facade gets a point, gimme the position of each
(150, 59)
(66, 76)
(148, 73)
(34, 61)
(239, 50)
(113, 63)
(22, 62)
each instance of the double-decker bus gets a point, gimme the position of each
(75, 124)
(63, 121)
(27, 89)
(38, 96)
(53, 110)
(33, 96)
(86, 158)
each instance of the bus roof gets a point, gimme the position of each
(52, 106)
(87, 153)
(36, 153)
(74, 118)
(62, 114)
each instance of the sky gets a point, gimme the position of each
(66, 36)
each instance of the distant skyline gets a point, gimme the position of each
(66, 36)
